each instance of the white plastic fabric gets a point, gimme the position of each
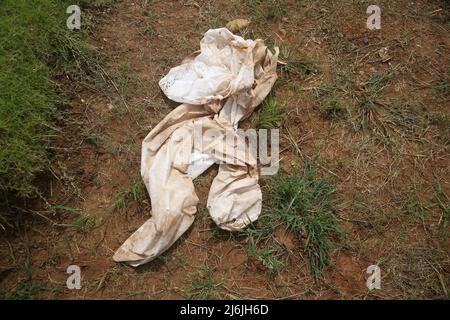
(218, 86)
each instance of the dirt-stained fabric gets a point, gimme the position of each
(218, 86)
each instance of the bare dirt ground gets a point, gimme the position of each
(389, 161)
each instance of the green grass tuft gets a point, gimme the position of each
(203, 285)
(35, 46)
(368, 104)
(27, 290)
(305, 205)
(270, 115)
(329, 103)
(442, 85)
(123, 195)
(374, 88)
(85, 222)
(263, 10)
(273, 258)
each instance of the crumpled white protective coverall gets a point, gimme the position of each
(218, 86)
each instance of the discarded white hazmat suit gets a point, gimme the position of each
(219, 85)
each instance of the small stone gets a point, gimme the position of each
(237, 24)
(384, 54)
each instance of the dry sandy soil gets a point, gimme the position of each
(389, 162)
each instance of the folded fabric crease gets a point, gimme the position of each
(218, 87)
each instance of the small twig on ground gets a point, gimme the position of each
(47, 218)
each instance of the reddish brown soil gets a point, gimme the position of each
(138, 43)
